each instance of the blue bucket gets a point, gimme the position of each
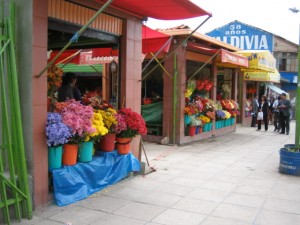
(55, 157)
(187, 119)
(210, 126)
(85, 153)
(289, 162)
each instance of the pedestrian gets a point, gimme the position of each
(263, 106)
(68, 89)
(270, 111)
(276, 116)
(284, 113)
(254, 106)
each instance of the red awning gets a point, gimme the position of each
(153, 40)
(159, 9)
(102, 52)
(224, 58)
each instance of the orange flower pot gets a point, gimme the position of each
(70, 154)
(107, 142)
(123, 145)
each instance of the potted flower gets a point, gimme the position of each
(54, 77)
(57, 134)
(78, 118)
(193, 125)
(107, 142)
(85, 153)
(130, 124)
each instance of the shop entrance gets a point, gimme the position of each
(93, 58)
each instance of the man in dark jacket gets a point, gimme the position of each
(284, 113)
(254, 105)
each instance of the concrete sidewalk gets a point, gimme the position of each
(228, 180)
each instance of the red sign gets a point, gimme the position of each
(229, 57)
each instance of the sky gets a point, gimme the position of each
(273, 16)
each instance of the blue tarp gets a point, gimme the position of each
(74, 183)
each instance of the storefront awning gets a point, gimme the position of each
(153, 41)
(159, 9)
(224, 58)
(81, 68)
(259, 60)
(275, 88)
(262, 76)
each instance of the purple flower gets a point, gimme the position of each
(57, 132)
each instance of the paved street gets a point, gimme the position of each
(228, 180)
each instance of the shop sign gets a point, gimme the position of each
(243, 36)
(232, 58)
(262, 76)
(86, 58)
(260, 60)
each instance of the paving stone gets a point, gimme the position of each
(245, 200)
(117, 220)
(235, 212)
(159, 199)
(140, 211)
(104, 203)
(209, 195)
(282, 206)
(195, 205)
(266, 217)
(78, 216)
(175, 189)
(211, 220)
(177, 217)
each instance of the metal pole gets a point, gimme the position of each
(76, 36)
(174, 97)
(297, 132)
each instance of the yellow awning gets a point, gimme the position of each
(262, 76)
(259, 60)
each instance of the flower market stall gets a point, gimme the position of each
(89, 146)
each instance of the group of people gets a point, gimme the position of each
(279, 110)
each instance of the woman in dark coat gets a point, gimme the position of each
(263, 106)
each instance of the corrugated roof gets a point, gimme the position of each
(203, 37)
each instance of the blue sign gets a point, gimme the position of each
(243, 36)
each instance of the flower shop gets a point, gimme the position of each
(85, 126)
(200, 87)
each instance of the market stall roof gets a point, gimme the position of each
(202, 37)
(159, 9)
(259, 60)
(224, 57)
(71, 67)
(262, 76)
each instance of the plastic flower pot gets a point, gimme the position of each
(55, 157)
(107, 142)
(85, 152)
(70, 154)
(123, 145)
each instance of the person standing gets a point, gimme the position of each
(263, 106)
(284, 113)
(276, 115)
(254, 105)
(68, 89)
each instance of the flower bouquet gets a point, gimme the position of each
(78, 118)
(130, 124)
